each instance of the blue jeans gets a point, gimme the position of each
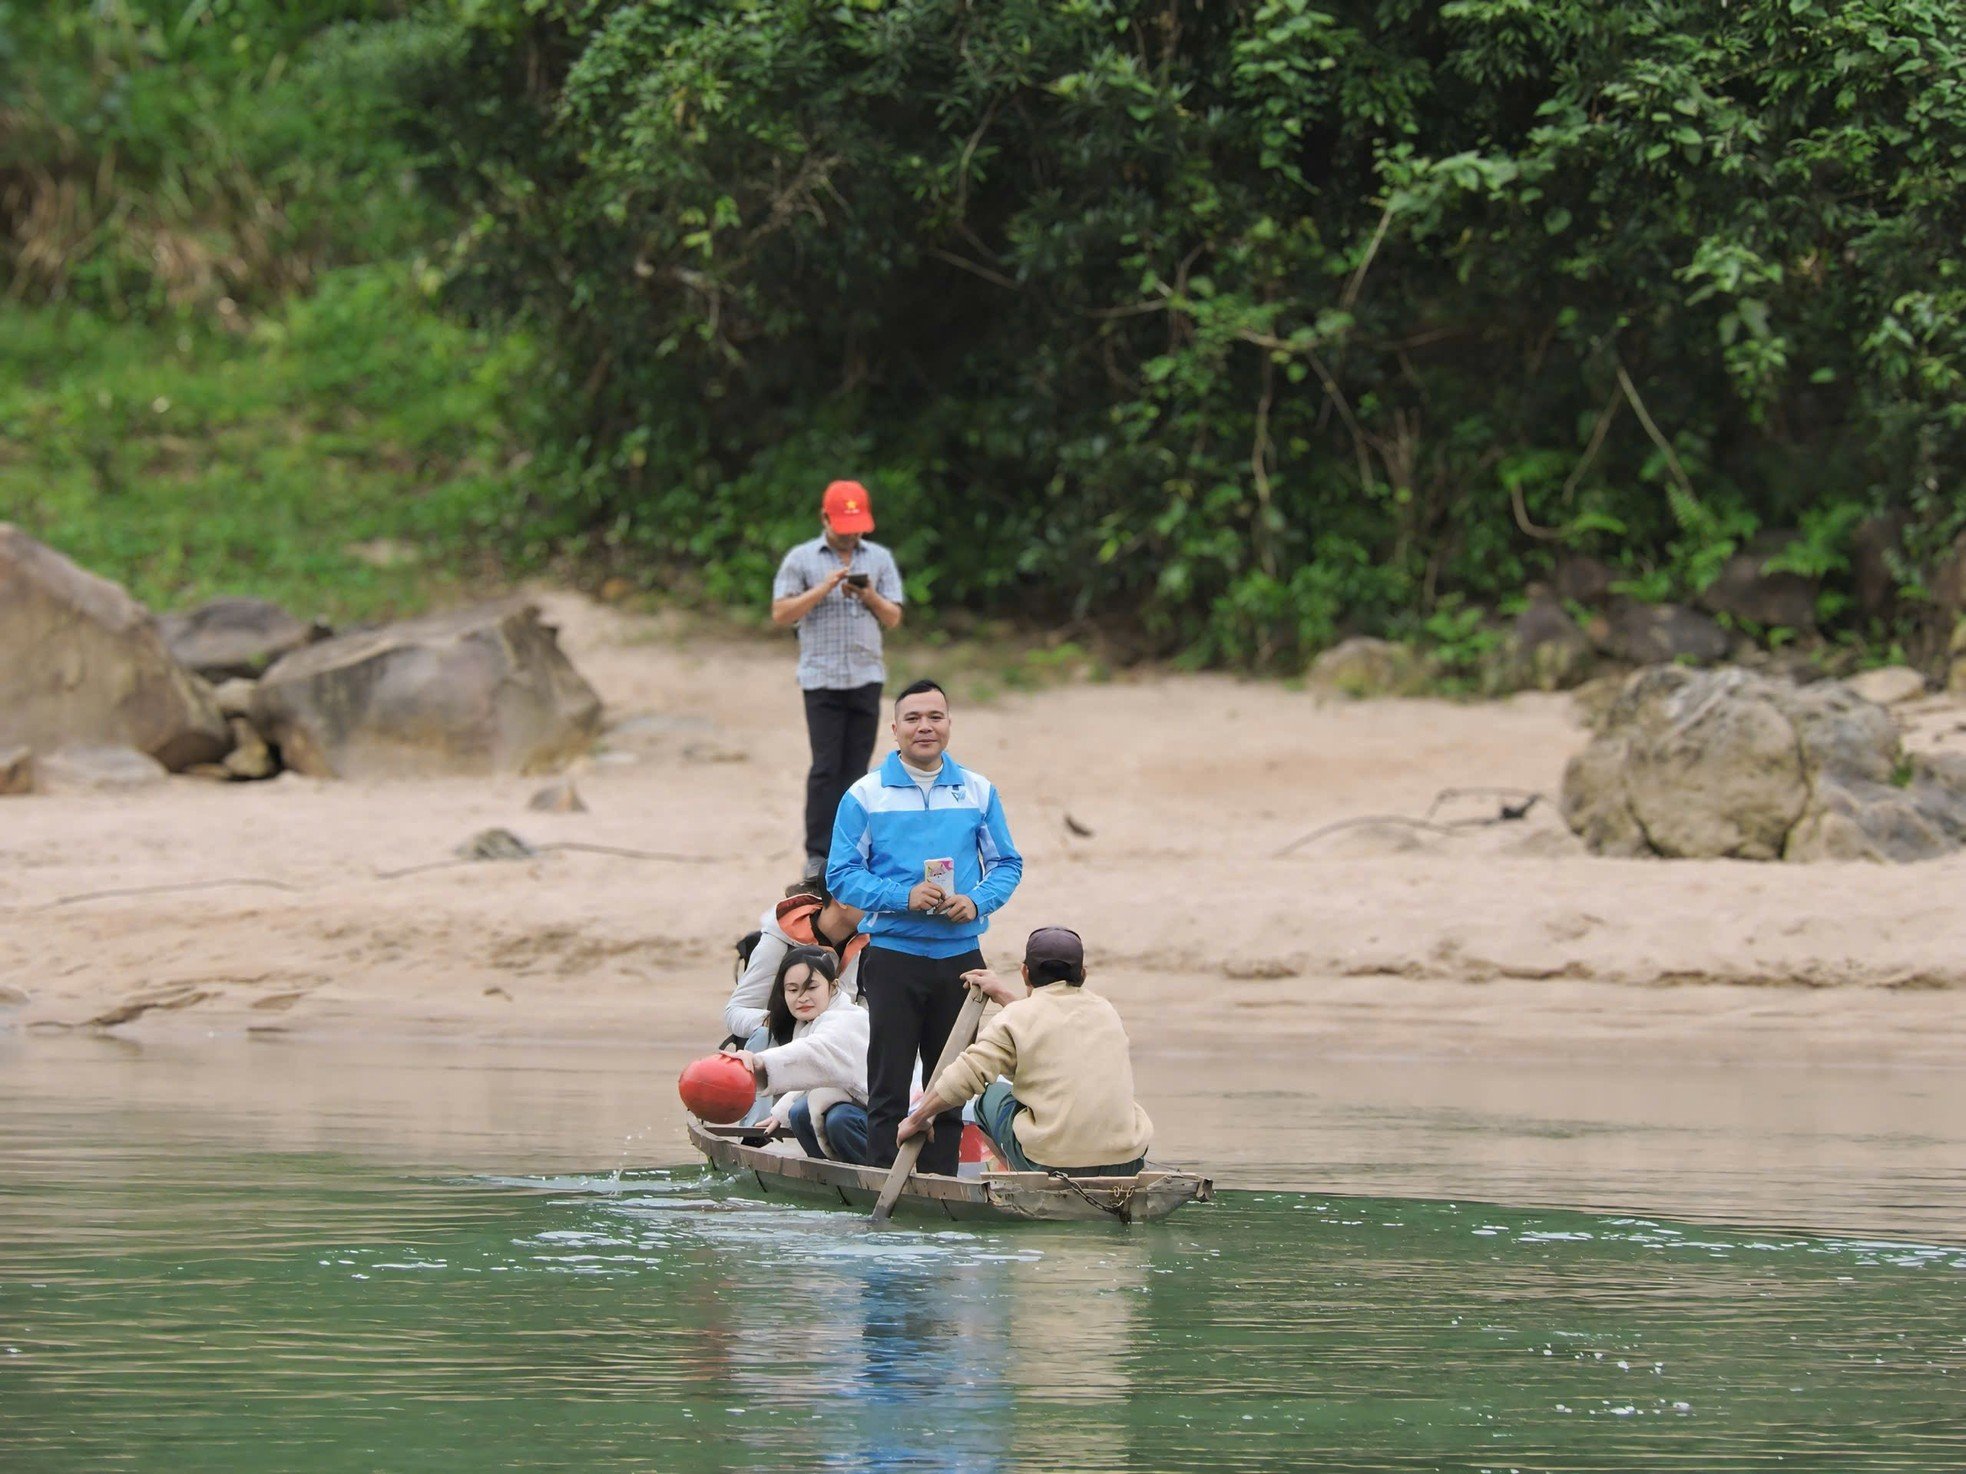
(846, 1129)
(997, 1108)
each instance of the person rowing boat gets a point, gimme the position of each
(1066, 1103)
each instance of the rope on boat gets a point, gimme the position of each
(1121, 1209)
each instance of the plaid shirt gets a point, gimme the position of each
(840, 640)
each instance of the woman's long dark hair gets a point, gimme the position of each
(779, 1022)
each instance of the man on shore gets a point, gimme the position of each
(1068, 1105)
(842, 592)
(920, 806)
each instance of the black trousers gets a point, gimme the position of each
(841, 726)
(912, 1003)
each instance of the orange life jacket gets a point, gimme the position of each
(796, 916)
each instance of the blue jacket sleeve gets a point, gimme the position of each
(1003, 867)
(848, 876)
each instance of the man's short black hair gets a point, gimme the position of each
(915, 688)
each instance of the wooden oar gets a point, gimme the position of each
(961, 1036)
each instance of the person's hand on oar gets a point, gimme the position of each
(998, 990)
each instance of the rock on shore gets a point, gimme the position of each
(1730, 764)
(483, 690)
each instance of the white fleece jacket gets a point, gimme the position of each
(745, 1011)
(828, 1055)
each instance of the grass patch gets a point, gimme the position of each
(186, 461)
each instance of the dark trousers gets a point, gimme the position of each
(912, 1003)
(846, 1130)
(841, 725)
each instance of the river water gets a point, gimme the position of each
(240, 1256)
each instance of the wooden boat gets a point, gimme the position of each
(773, 1173)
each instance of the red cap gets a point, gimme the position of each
(847, 508)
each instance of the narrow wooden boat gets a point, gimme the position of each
(777, 1173)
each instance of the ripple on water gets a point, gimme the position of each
(171, 1308)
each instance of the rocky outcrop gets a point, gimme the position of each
(484, 690)
(1727, 763)
(81, 662)
(235, 637)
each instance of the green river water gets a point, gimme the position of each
(253, 1286)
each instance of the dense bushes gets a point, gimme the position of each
(1244, 322)
(1258, 320)
(227, 373)
(172, 155)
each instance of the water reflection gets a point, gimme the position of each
(193, 1290)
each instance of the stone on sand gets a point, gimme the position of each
(90, 767)
(233, 637)
(559, 797)
(16, 770)
(1363, 666)
(1888, 685)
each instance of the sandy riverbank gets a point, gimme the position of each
(1503, 942)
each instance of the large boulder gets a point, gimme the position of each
(233, 637)
(81, 662)
(1728, 763)
(482, 690)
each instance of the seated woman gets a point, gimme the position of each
(816, 1062)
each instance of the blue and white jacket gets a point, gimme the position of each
(887, 827)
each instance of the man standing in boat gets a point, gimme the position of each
(921, 846)
(1068, 1106)
(841, 592)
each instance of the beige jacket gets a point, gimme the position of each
(1065, 1052)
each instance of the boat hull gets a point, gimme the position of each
(1002, 1196)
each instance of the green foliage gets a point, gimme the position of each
(202, 154)
(185, 462)
(1254, 323)
(1242, 325)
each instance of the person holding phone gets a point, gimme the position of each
(841, 592)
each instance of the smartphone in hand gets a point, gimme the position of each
(940, 872)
